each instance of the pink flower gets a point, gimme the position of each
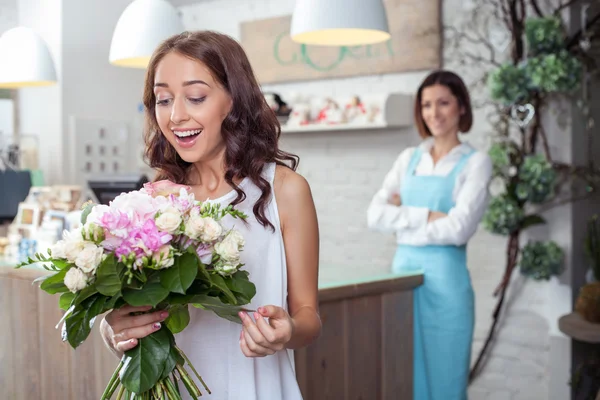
(164, 188)
(204, 253)
(148, 238)
(116, 222)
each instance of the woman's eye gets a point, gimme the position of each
(163, 102)
(196, 100)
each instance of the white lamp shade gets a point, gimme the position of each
(339, 22)
(141, 28)
(25, 60)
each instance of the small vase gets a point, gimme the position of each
(588, 301)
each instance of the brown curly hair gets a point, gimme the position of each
(251, 131)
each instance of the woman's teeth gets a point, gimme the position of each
(187, 133)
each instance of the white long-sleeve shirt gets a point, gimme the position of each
(410, 223)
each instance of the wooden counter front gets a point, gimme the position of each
(364, 352)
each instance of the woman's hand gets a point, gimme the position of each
(395, 200)
(123, 330)
(259, 339)
(435, 215)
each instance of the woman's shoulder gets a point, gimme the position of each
(289, 184)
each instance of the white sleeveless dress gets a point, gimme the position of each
(212, 343)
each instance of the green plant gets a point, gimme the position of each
(503, 215)
(541, 63)
(592, 244)
(544, 35)
(510, 84)
(554, 72)
(536, 179)
(541, 260)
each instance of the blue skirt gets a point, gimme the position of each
(443, 320)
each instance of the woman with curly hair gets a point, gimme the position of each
(209, 126)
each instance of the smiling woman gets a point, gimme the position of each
(433, 199)
(209, 126)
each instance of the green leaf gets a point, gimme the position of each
(180, 276)
(85, 293)
(86, 211)
(79, 324)
(531, 220)
(218, 282)
(65, 300)
(145, 363)
(179, 318)
(149, 294)
(55, 283)
(241, 286)
(108, 276)
(173, 359)
(227, 311)
(112, 302)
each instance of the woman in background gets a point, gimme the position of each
(433, 200)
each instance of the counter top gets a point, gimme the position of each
(349, 283)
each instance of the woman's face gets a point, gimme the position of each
(440, 110)
(190, 107)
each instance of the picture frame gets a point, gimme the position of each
(55, 219)
(39, 195)
(28, 215)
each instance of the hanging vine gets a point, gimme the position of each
(541, 62)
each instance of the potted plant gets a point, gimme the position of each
(588, 301)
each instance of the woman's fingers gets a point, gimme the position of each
(125, 322)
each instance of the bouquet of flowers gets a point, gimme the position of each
(157, 246)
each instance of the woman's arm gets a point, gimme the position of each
(463, 219)
(300, 230)
(384, 216)
(301, 324)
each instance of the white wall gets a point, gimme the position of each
(40, 108)
(344, 171)
(78, 34)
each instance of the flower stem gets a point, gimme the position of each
(193, 369)
(174, 394)
(112, 383)
(188, 381)
(120, 393)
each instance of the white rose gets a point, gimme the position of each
(225, 270)
(238, 238)
(169, 220)
(194, 226)
(58, 249)
(228, 249)
(512, 171)
(73, 244)
(497, 186)
(89, 258)
(212, 230)
(75, 280)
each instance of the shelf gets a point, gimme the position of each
(390, 111)
(575, 326)
(338, 127)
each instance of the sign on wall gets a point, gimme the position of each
(415, 45)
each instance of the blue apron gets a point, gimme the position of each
(444, 304)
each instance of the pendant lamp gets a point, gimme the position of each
(141, 28)
(25, 60)
(339, 22)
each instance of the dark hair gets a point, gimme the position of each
(251, 130)
(458, 89)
